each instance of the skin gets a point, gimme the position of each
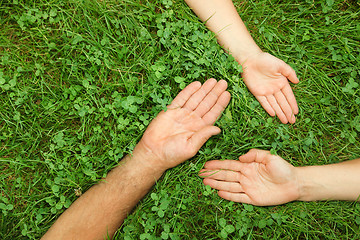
(263, 179)
(171, 138)
(265, 75)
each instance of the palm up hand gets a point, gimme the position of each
(178, 133)
(258, 178)
(267, 79)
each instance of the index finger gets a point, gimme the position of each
(287, 91)
(232, 165)
(185, 94)
(211, 116)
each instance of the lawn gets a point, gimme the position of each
(81, 80)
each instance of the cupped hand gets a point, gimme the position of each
(258, 178)
(177, 134)
(267, 79)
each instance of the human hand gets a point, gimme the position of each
(258, 178)
(177, 134)
(267, 79)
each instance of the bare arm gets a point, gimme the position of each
(260, 178)
(265, 75)
(222, 18)
(101, 210)
(340, 181)
(171, 138)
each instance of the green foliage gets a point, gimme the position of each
(81, 80)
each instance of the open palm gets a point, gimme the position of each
(258, 178)
(178, 133)
(267, 79)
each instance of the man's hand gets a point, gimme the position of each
(171, 138)
(267, 79)
(258, 178)
(178, 133)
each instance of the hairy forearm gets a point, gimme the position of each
(339, 181)
(102, 209)
(222, 18)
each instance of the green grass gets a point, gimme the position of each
(80, 81)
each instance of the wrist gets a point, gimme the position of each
(143, 157)
(243, 54)
(309, 188)
(231, 32)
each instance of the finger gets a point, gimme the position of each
(235, 197)
(233, 165)
(185, 94)
(255, 155)
(211, 98)
(200, 94)
(285, 106)
(221, 175)
(201, 136)
(288, 72)
(287, 91)
(224, 186)
(278, 111)
(211, 116)
(266, 105)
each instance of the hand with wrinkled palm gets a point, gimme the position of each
(267, 79)
(257, 178)
(177, 134)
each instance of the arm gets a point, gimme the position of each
(171, 138)
(340, 181)
(262, 179)
(100, 211)
(222, 18)
(265, 75)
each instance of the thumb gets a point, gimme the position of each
(288, 72)
(255, 155)
(201, 136)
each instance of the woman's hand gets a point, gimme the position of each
(267, 79)
(258, 178)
